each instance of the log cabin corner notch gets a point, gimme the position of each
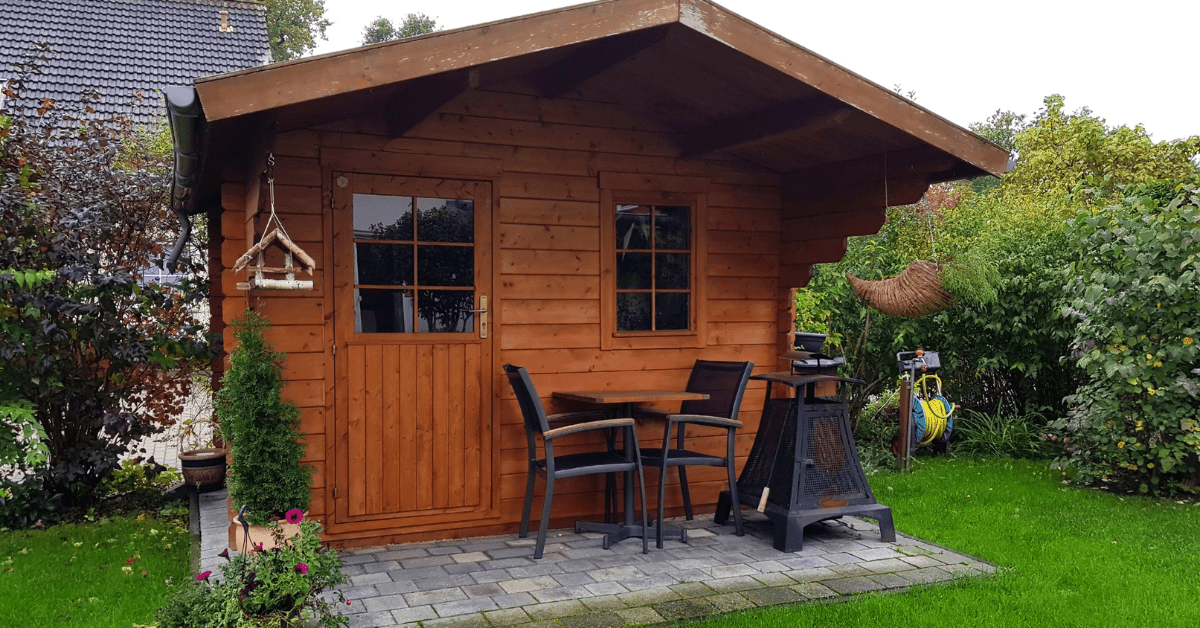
(622, 187)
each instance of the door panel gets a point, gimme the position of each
(412, 266)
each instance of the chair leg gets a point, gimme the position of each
(687, 496)
(662, 498)
(524, 530)
(541, 540)
(734, 500)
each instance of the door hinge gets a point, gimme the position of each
(335, 493)
(335, 350)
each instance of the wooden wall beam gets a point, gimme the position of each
(909, 162)
(790, 116)
(422, 98)
(851, 223)
(801, 252)
(876, 195)
(592, 59)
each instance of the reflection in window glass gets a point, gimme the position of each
(393, 249)
(653, 267)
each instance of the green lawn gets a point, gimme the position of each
(108, 574)
(1066, 557)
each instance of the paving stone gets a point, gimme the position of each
(814, 574)
(891, 581)
(732, 571)
(640, 615)
(420, 598)
(402, 554)
(926, 575)
(768, 566)
(391, 588)
(774, 579)
(540, 569)
(414, 613)
(445, 550)
(593, 620)
(616, 574)
(528, 584)
(494, 575)
(355, 559)
(691, 589)
(573, 579)
(462, 607)
(473, 620)
(814, 590)
(482, 545)
(603, 602)
(889, 565)
(921, 561)
(507, 617)
(606, 588)
(695, 563)
(853, 584)
(509, 552)
(684, 609)
(376, 567)
(773, 596)
(506, 563)
(371, 620)
(462, 568)
(418, 573)
(554, 610)
(370, 578)
(878, 553)
(385, 603)
(576, 565)
(725, 602)
(558, 594)
(730, 585)
(444, 582)
(426, 561)
(647, 597)
(469, 557)
(851, 569)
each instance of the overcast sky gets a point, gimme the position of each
(1131, 63)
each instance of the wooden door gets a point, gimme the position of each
(412, 274)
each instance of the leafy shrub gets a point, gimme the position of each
(28, 498)
(139, 485)
(1136, 303)
(263, 430)
(1000, 434)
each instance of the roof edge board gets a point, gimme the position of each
(774, 50)
(269, 87)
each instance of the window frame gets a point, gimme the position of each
(624, 188)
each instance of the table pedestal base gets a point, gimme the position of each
(616, 532)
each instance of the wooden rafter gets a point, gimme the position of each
(593, 58)
(423, 97)
(784, 118)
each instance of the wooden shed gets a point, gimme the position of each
(624, 186)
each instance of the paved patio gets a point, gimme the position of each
(494, 581)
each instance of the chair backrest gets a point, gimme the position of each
(531, 404)
(724, 382)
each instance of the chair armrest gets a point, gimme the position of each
(576, 416)
(701, 419)
(587, 426)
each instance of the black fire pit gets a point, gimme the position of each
(805, 459)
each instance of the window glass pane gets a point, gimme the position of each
(672, 227)
(633, 227)
(672, 271)
(445, 265)
(445, 220)
(384, 264)
(671, 311)
(383, 217)
(444, 311)
(633, 271)
(383, 311)
(633, 311)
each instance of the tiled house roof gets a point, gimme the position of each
(123, 48)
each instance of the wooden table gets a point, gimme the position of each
(614, 532)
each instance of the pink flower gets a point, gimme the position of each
(203, 575)
(258, 547)
(300, 568)
(294, 516)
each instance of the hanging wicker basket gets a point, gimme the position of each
(915, 292)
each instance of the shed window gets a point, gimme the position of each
(654, 267)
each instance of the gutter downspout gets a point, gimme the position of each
(184, 115)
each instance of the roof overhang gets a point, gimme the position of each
(713, 81)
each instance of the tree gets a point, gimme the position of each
(98, 356)
(382, 29)
(293, 27)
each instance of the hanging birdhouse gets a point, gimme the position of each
(291, 254)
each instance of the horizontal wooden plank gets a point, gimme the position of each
(813, 251)
(548, 311)
(318, 476)
(551, 187)
(542, 286)
(742, 287)
(743, 219)
(761, 311)
(740, 334)
(305, 393)
(549, 212)
(529, 108)
(293, 339)
(302, 171)
(304, 366)
(409, 164)
(515, 261)
(747, 265)
(315, 447)
(298, 199)
(549, 237)
(312, 420)
(538, 135)
(742, 243)
(549, 336)
(838, 225)
(744, 196)
(580, 360)
(795, 275)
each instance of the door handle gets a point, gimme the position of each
(482, 312)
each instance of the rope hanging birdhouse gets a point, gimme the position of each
(279, 237)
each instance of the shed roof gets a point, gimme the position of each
(124, 49)
(715, 81)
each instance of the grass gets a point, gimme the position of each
(109, 573)
(1065, 556)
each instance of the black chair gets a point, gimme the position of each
(725, 383)
(555, 467)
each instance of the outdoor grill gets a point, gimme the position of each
(805, 459)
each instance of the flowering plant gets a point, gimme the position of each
(279, 587)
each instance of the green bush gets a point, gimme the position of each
(263, 430)
(1136, 303)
